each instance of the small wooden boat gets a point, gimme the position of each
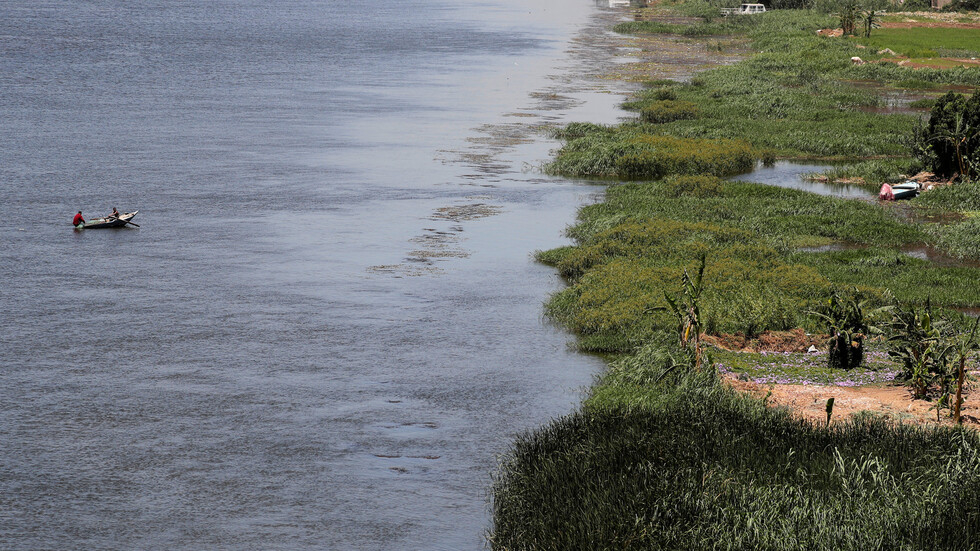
(108, 222)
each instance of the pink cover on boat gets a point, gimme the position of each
(886, 193)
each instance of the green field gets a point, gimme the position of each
(926, 42)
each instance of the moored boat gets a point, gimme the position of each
(907, 190)
(108, 222)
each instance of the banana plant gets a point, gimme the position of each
(922, 345)
(965, 346)
(848, 12)
(686, 307)
(848, 320)
(871, 19)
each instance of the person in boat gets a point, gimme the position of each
(115, 213)
(77, 219)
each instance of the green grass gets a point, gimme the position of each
(926, 41)
(961, 239)
(925, 103)
(963, 196)
(793, 99)
(908, 279)
(633, 247)
(781, 218)
(668, 110)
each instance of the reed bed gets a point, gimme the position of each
(687, 463)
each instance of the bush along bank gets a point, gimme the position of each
(663, 454)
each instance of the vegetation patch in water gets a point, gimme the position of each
(632, 248)
(961, 239)
(628, 154)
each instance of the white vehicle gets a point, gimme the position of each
(744, 9)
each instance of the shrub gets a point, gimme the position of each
(917, 5)
(964, 5)
(950, 141)
(847, 322)
(921, 345)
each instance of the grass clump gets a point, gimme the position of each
(805, 368)
(916, 84)
(783, 219)
(906, 278)
(874, 172)
(632, 247)
(925, 103)
(668, 110)
(627, 154)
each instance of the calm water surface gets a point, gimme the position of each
(793, 175)
(329, 324)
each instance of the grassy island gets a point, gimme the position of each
(681, 260)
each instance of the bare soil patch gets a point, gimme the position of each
(770, 341)
(894, 402)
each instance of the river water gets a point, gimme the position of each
(329, 324)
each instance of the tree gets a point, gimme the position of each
(872, 20)
(847, 12)
(950, 142)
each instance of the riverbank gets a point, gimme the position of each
(663, 453)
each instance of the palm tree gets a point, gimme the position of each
(872, 20)
(848, 14)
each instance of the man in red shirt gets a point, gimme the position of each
(78, 219)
